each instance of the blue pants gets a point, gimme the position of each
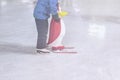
(42, 29)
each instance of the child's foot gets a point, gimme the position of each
(42, 51)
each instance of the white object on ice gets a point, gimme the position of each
(58, 40)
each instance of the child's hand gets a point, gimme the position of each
(56, 17)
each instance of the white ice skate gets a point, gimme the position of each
(40, 51)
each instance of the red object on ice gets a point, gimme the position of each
(55, 30)
(58, 47)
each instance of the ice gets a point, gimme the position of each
(97, 41)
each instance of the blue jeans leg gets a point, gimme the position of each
(42, 29)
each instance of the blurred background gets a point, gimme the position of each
(104, 8)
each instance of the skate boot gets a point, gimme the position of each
(40, 51)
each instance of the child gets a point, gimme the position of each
(42, 12)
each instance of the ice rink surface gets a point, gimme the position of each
(97, 41)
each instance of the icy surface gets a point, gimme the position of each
(96, 40)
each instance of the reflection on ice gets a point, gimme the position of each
(3, 3)
(76, 6)
(96, 30)
(29, 1)
(25, 1)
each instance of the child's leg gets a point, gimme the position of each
(42, 29)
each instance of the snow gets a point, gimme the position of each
(96, 40)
